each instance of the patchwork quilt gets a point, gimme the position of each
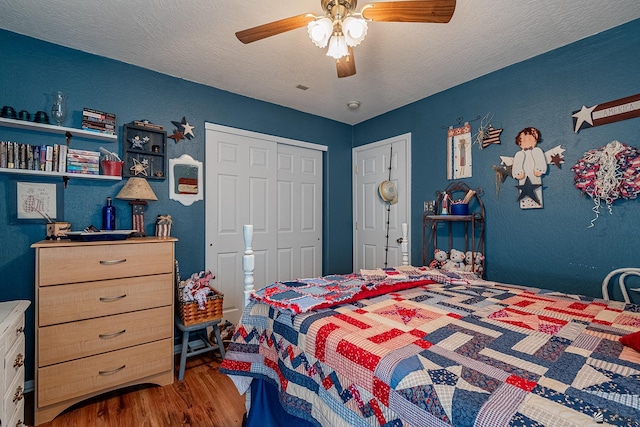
(455, 353)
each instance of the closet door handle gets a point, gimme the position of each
(115, 334)
(112, 261)
(111, 299)
(112, 371)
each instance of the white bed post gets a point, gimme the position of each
(404, 246)
(248, 262)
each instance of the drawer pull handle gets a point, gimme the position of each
(115, 334)
(19, 423)
(113, 261)
(19, 330)
(111, 299)
(112, 371)
(19, 362)
(19, 395)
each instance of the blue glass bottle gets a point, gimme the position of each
(109, 216)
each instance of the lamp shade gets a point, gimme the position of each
(319, 31)
(337, 47)
(354, 29)
(136, 189)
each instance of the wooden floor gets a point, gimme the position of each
(205, 398)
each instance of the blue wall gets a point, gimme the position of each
(32, 69)
(550, 247)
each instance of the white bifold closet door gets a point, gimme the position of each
(274, 184)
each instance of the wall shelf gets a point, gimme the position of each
(62, 174)
(41, 127)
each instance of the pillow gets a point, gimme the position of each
(632, 340)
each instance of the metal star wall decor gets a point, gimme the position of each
(177, 136)
(185, 128)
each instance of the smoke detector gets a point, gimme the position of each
(353, 105)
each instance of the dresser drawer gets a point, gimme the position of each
(14, 396)
(14, 361)
(15, 330)
(79, 301)
(18, 417)
(82, 263)
(68, 380)
(67, 341)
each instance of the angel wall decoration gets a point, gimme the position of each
(529, 165)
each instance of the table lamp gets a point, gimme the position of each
(137, 191)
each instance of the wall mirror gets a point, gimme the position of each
(185, 180)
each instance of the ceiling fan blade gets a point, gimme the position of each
(273, 28)
(346, 65)
(436, 11)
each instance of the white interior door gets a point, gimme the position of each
(299, 212)
(276, 185)
(241, 178)
(373, 218)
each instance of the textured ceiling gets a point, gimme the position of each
(397, 63)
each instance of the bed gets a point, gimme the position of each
(413, 346)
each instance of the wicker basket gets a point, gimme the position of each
(190, 314)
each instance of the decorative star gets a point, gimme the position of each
(138, 143)
(557, 159)
(528, 190)
(177, 135)
(140, 168)
(185, 127)
(584, 115)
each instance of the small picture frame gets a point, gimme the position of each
(38, 201)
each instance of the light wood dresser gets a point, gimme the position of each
(12, 364)
(104, 319)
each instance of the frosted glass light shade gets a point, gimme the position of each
(354, 29)
(337, 47)
(319, 31)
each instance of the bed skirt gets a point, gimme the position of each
(266, 410)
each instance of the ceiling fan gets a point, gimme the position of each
(341, 27)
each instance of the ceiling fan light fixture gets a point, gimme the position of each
(337, 46)
(320, 31)
(354, 29)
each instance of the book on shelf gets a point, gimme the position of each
(3, 154)
(96, 114)
(49, 159)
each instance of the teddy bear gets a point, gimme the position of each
(456, 261)
(474, 265)
(439, 259)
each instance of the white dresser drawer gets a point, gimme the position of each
(14, 396)
(14, 360)
(18, 416)
(15, 330)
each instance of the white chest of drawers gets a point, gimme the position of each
(12, 363)
(104, 319)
